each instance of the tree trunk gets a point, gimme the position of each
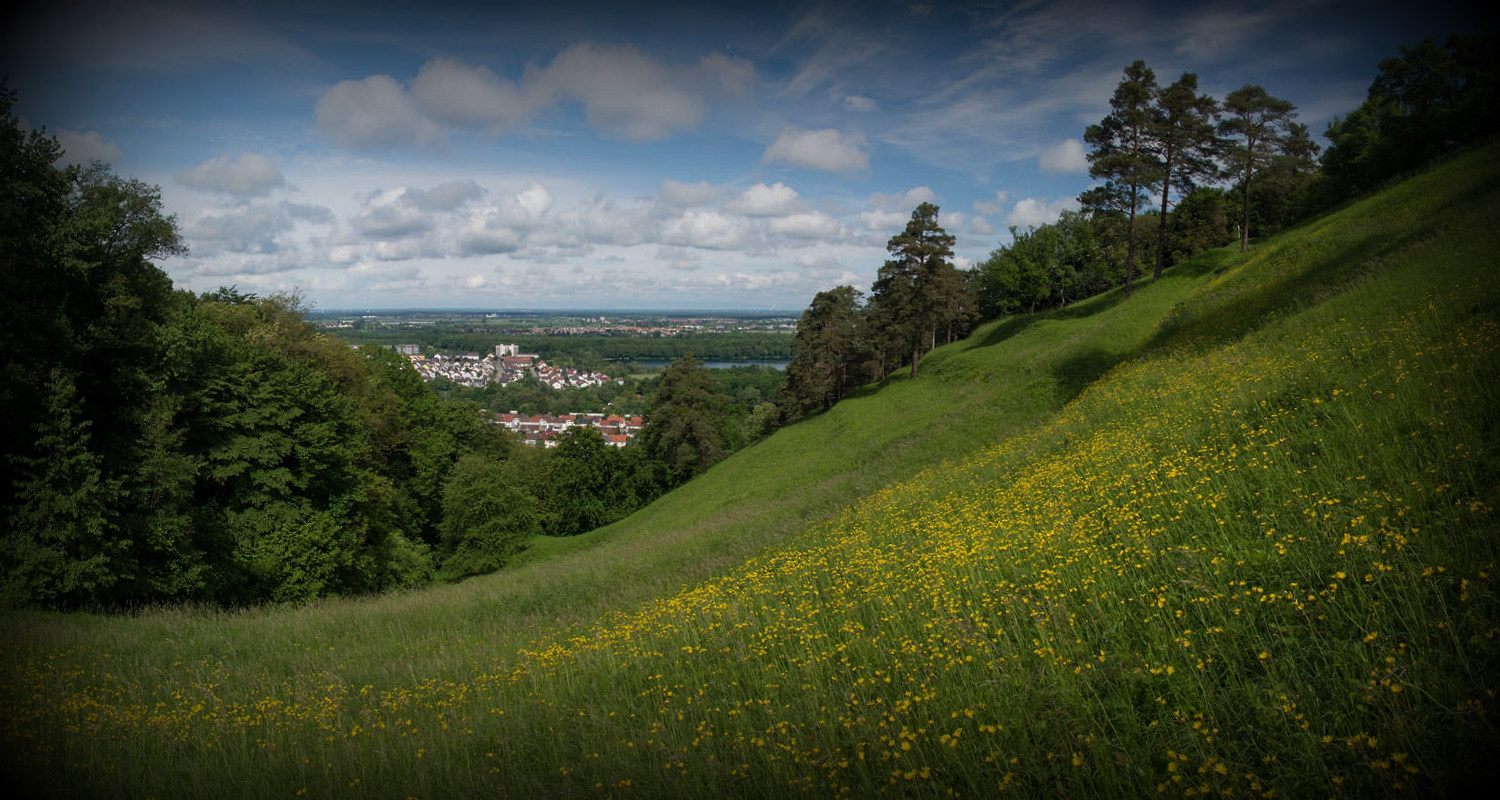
(1245, 216)
(1161, 234)
(1130, 247)
(1245, 211)
(916, 355)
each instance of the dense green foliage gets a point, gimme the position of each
(1428, 101)
(690, 424)
(164, 447)
(1046, 267)
(1257, 129)
(831, 345)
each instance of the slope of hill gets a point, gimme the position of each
(1254, 557)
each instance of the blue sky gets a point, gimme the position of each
(623, 156)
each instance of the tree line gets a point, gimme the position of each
(1220, 171)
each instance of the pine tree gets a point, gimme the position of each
(826, 351)
(1121, 155)
(1182, 132)
(63, 546)
(685, 427)
(1256, 128)
(914, 295)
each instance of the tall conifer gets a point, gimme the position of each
(1182, 132)
(1121, 154)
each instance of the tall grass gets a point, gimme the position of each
(1233, 536)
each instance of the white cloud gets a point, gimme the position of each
(486, 234)
(448, 196)
(681, 259)
(817, 261)
(502, 227)
(375, 112)
(1064, 156)
(980, 226)
(306, 212)
(82, 148)
(250, 175)
(624, 93)
(534, 199)
(598, 221)
(454, 94)
(709, 230)
(883, 220)
(826, 150)
(995, 206)
(854, 102)
(1031, 212)
(392, 214)
(809, 225)
(905, 201)
(637, 98)
(677, 193)
(761, 200)
(404, 213)
(250, 229)
(403, 249)
(241, 229)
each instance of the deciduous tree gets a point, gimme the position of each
(487, 515)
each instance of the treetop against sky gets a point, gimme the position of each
(379, 154)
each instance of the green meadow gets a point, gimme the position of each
(1235, 535)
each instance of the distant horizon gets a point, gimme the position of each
(605, 312)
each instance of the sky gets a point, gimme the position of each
(725, 156)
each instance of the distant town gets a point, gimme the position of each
(544, 429)
(504, 366)
(507, 365)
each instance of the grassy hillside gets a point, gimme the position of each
(1254, 557)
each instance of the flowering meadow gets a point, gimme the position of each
(1256, 559)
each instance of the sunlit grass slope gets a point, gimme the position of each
(1255, 558)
